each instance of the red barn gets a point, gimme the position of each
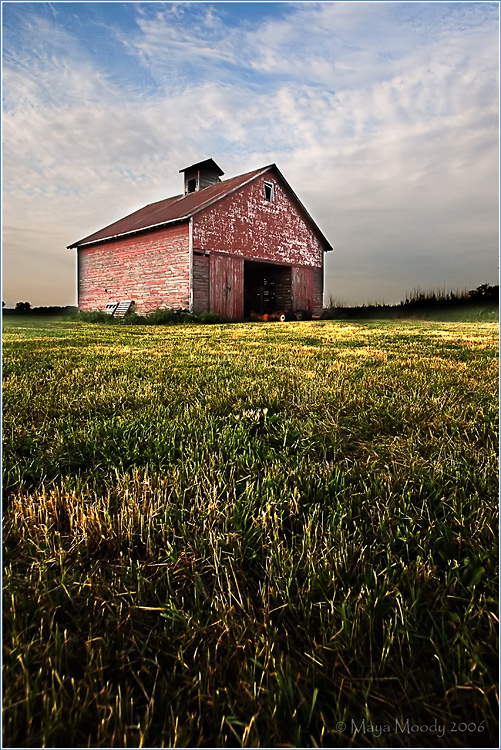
(228, 247)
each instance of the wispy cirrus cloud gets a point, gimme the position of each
(383, 116)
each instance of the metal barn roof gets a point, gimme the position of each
(182, 207)
(206, 164)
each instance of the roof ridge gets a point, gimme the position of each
(182, 207)
(141, 219)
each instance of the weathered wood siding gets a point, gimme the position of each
(200, 283)
(302, 288)
(307, 289)
(226, 287)
(318, 291)
(282, 287)
(152, 269)
(245, 224)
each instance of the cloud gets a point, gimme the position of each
(383, 116)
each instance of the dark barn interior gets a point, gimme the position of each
(267, 287)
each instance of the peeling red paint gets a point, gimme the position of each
(245, 224)
(226, 290)
(151, 268)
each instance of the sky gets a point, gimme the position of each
(382, 116)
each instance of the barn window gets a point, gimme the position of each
(268, 191)
(192, 185)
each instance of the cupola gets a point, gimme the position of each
(201, 175)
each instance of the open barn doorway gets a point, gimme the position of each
(267, 287)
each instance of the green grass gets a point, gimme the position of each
(244, 535)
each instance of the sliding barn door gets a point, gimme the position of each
(226, 294)
(302, 288)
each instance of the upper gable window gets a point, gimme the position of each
(269, 192)
(192, 185)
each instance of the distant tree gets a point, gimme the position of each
(484, 293)
(3, 305)
(22, 306)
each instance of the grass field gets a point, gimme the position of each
(250, 535)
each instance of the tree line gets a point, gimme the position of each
(418, 300)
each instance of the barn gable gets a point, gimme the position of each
(258, 227)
